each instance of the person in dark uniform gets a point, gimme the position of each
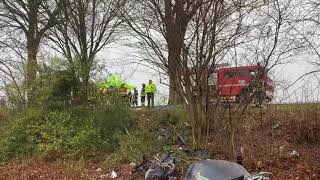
(143, 95)
(135, 97)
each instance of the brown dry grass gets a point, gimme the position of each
(267, 138)
(270, 135)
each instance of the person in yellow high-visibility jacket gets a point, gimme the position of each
(150, 90)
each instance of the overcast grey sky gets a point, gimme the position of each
(122, 61)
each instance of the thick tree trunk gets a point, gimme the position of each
(176, 27)
(31, 67)
(175, 45)
(84, 89)
(85, 61)
(33, 41)
(174, 97)
(84, 77)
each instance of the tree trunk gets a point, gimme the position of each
(174, 97)
(32, 66)
(84, 91)
(85, 77)
(33, 41)
(199, 122)
(175, 48)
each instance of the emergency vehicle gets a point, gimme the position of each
(233, 83)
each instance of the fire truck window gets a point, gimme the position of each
(239, 73)
(227, 74)
(230, 74)
(244, 73)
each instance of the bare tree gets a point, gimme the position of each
(161, 27)
(307, 26)
(196, 36)
(215, 31)
(10, 84)
(216, 28)
(13, 51)
(32, 18)
(271, 42)
(87, 27)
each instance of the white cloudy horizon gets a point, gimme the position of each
(136, 74)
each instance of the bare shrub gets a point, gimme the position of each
(305, 124)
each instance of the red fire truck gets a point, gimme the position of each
(233, 83)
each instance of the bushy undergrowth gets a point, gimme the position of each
(57, 121)
(301, 121)
(305, 124)
(74, 132)
(134, 146)
(176, 116)
(156, 133)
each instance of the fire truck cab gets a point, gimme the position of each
(232, 83)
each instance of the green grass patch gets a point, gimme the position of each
(295, 106)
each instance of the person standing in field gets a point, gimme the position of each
(143, 95)
(130, 98)
(135, 97)
(123, 91)
(150, 90)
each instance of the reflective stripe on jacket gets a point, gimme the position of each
(151, 88)
(143, 92)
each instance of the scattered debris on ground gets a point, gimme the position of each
(269, 146)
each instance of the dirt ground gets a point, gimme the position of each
(38, 168)
(270, 145)
(284, 135)
(281, 141)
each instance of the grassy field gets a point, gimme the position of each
(295, 106)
